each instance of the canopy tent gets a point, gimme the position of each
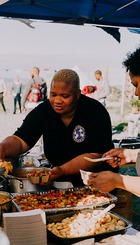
(101, 13)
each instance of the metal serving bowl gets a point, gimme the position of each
(2, 183)
(2, 170)
(19, 181)
(5, 204)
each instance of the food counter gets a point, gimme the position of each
(132, 236)
(60, 202)
(54, 214)
(121, 237)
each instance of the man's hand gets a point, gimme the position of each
(121, 156)
(55, 173)
(105, 181)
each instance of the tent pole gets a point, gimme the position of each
(123, 96)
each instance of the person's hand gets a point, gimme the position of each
(55, 173)
(104, 181)
(120, 156)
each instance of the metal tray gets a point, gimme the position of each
(111, 199)
(98, 237)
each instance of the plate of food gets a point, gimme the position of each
(57, 200)
(39, 176)
(75, 226)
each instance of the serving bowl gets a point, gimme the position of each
(2, 171)
(5, 204)
(19, 181)
(39, 176)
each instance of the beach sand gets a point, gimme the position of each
(9, 122)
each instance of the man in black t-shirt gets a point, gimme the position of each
(72, 125)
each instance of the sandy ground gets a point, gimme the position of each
(9, 122)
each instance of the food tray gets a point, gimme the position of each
(54, 218)
(54, 201)
(5, 204)
(39, 176)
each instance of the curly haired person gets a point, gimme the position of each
(107, 181)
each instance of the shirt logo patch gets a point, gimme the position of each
(79, 134)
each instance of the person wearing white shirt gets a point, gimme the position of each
(102, 87)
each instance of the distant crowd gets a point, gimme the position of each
(25, 98)
(28, 96)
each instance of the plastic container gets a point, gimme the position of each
(4, 240)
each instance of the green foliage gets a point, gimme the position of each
(121, 127)
(115, 94)
(135, 103)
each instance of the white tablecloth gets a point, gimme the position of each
(132, 236)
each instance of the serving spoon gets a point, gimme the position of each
(101, 215)
(103, 212)
(97, 159)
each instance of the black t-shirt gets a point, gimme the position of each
(89, 131)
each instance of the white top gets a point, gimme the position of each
(138, 164)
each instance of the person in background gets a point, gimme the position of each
(72, 127)
(35, 79)
(107, 181)
(2, 93)
(17, 92)
(103, 88)
(89, 91)
(133, 122)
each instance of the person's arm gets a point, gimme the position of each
(121, 156)
(131, 184)
(73, 166)
(105, 89)
(25, 93)
(12, 146)
(107, 181)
